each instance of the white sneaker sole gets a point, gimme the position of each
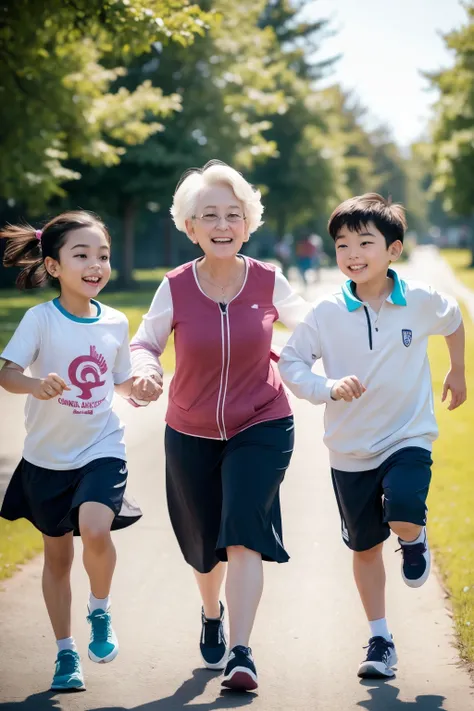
(378, 670)
(56, 687)
(241, 679)
(422, 580)
(217, 666)
(104, 660)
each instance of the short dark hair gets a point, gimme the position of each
(389, 218)
(28, 248)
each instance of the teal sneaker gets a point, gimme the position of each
(68, 674)
(103, 646)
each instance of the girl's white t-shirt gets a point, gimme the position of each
(91, 355)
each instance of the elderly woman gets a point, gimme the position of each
(229, 433)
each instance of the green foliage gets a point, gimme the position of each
(58, 62)
(453, 127)
(127, 94)
(225, 88)
(298, 179)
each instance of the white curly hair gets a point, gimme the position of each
(213, 173)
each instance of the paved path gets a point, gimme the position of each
(309, 632)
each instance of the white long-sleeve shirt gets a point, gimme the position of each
(157, 324)
(225, 379)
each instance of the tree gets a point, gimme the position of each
(225, 87)
(453, 125)
(58, 61)
(299, 178)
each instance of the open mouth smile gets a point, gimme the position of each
(92, 280)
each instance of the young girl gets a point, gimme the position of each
(72, 476)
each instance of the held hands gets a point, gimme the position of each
(347, 388)
(455, 381)
(49, 387)
(147, 388)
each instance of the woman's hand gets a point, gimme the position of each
(147, 388)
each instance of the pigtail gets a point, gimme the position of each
(23, 249)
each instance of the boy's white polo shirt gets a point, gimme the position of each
(388, 353)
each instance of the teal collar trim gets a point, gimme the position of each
(397, 296)
(78, 319)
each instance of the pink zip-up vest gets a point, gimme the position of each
(225, 379)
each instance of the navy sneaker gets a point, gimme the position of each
(68, 674)
(240, 673)
(213, 644)
(416, 562)
(381, 656)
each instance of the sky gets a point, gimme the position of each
(386, 44)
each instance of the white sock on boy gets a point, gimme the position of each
(419, 539)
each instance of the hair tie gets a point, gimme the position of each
(38, 234)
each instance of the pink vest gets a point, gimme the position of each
(225, 379)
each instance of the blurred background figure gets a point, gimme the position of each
(309, 251)
(284, 253)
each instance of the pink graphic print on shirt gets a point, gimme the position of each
(85, 372)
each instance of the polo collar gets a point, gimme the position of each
(397, 296)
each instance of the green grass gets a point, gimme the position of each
(459, 260)
(451, 501)
(19, 542)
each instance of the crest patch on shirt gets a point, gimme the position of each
(407, 336)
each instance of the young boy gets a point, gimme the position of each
(372, 337)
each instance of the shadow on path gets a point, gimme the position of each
(384, 697)
(179, 701)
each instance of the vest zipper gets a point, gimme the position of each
(369, 326)
(225, 334)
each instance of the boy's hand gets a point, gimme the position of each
(49, 387)
(347, 388)
(456, 382)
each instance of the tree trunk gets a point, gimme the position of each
(470, 243)
(168, 260)
(281, 224)
(128, 246)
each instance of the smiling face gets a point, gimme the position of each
(219, 225)
(363, 255)
(83, 268)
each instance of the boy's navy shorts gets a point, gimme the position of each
(394, 491)
(50, 499)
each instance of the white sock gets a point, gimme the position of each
(96, 604)
(66, 643)
(378, 628)
(418, 539)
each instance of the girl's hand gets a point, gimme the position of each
(49, 387)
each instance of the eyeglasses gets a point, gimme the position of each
(212, 217)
